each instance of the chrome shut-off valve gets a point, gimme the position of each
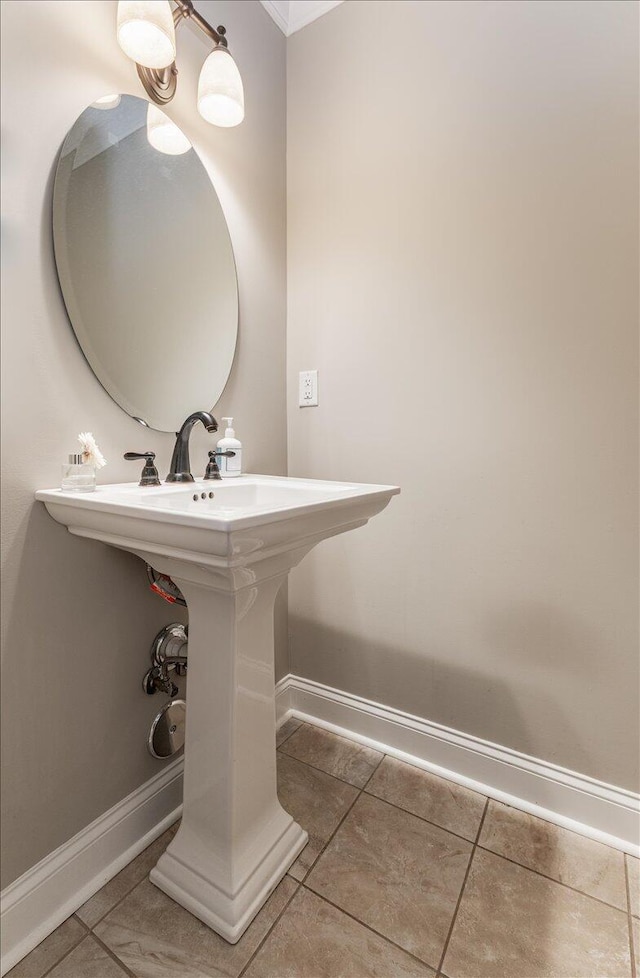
(168, 654)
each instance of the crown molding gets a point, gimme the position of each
(293, 15)
(278, 10)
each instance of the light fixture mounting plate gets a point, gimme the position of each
(159, 83)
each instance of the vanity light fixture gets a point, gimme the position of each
(163, 134)
(106, 102)
(146, 33)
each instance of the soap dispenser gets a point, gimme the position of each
(230, 465)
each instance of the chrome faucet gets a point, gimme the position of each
(180, 470)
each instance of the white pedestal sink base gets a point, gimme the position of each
(228, 915)
(235, 842)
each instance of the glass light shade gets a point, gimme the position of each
(146, 32)
(106, 102)
(163, 134)
(220, 91)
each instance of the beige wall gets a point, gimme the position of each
(78, 620)
(463, 271)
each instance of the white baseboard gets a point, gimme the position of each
(283, 699)
(594, 809)
(40, 900)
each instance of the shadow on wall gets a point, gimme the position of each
(79, 626)
(547, 635)
(362, 664)
(433, 687)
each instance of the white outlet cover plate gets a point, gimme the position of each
(308, 388)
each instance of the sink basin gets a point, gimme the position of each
(228, 504)
(229, 553)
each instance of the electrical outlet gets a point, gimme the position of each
(308, 389)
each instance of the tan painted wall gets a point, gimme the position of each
(77, 618)
(463, 271)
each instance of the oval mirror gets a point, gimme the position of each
(145, 262)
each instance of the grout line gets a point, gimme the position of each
(546, 821)
(132, 888)
(276, 921)
(309, 887)
(300, 725)
(464, 883)
(81, 922)
(368, 781)
(552, 879)
(629, 916)
(300, 883)
(370, 794)
(422, 818)
(88, 932)
(339, 825)
(580, 835)
(322, 770)
(384, 937)
(66, 953)
(116, 905)
(475, 843)
(112, 954)
(331, 837)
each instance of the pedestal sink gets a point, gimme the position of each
(228, 546)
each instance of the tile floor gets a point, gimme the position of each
(406, 875)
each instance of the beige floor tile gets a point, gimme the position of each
(337, 756)
(317, 801)
(446, 804)
(635, 924)
(314, 940)
(633, 870)
(512, 922)
(586, 865)
(112, 892)
(287, 728)
(88, 960)
(396, 873)
(50, 951)
(157, 938)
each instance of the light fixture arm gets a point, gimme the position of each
(186, 10)
(160, 83)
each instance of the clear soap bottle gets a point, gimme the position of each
(78, 475)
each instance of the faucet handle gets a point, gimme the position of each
(213, 470)
(149, 475)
